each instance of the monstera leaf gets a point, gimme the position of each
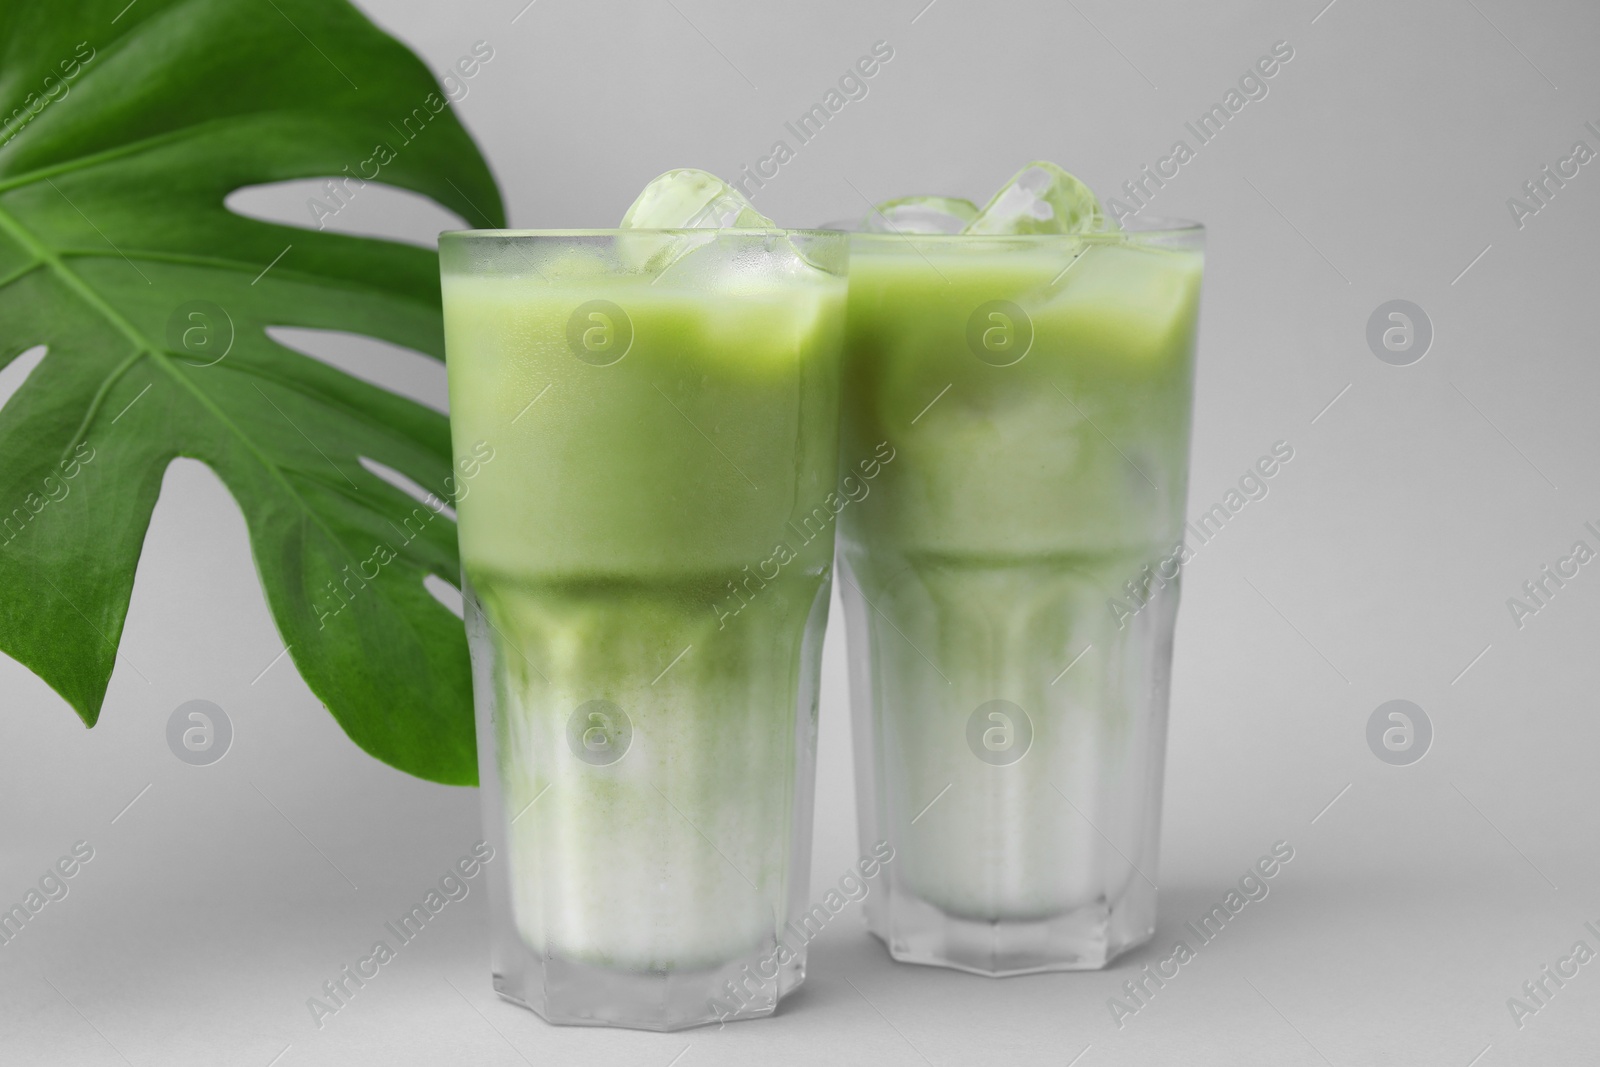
(123, 126)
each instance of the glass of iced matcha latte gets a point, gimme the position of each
(1011, 582)
(661, 400)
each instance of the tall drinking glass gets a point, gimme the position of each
(1011, 583)
(645, 623)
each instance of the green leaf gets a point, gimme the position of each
(136, 122)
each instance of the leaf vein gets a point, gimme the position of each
(132, 332)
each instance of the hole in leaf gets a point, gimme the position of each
(405, 371)
(13, 374)
(446, 594)
(409, 487)
(346, 205)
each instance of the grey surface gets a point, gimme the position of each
(1377, 568)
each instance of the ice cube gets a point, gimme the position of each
(921, 214)
(1042, 198)
(691, 200)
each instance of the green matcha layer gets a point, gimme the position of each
(1040, 462)
(1078, 447)
(623, 547)
(685, 456)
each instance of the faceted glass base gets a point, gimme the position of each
(1085, 939)
(579, 994)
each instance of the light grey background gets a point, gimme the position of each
(1379, 566)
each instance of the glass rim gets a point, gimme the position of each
(1153, 228)
(1149, 228)
(719, 231)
